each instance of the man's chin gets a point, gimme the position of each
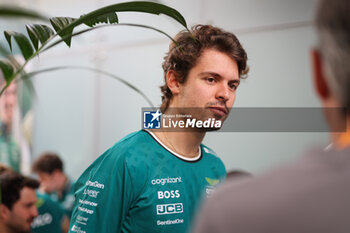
(21, 229)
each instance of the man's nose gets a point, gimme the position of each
(34, 211)
(223, 93)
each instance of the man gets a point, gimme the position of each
(151, 181)
(311, 195)
(51, 216)
(54, 181)
(18, 199)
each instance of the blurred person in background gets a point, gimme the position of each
(51, 218)
(18, 202)
(238, 174)
(312, 194)
(53, 180)
(10, 153)
(14, 141)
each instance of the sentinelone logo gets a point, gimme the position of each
(157, 120)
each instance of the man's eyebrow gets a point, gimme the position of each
(236, 81)
(216, 75)
(210, 73)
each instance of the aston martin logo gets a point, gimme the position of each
(212, 182)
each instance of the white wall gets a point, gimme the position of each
(80, 114)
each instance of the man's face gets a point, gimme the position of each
(8, 103)
(19, 218)
(210, 86)
(48, 182)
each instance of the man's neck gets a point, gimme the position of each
(184, 143)
(62, 189)
(5, 229)
(2, 227)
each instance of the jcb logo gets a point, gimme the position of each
(170, 209)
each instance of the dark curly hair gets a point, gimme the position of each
(47, 162)
(11, 184)
(183, 54)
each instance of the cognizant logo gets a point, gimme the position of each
(169, 180)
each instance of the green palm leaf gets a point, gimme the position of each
(22, 41)
(110, 18)
(7, 70)
(39, 32)
(61, 26)
(104, 14)
(101, 26)
(64, 27)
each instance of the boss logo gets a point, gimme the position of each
(169, 209)
(168, 194)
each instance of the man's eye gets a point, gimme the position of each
(210, 80)
(233, 86)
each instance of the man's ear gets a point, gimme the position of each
(321, 85)
(173, 82)
(56, 171)
(4, 212)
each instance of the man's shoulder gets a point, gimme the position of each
(314, 168)
(209, 154)
(46, 203)
(313, 188)
(210, 157)
(132, 140)
(121, 154)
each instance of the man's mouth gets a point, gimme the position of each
(218, 110)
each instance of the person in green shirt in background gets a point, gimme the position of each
(52, 217)
(53, 180)
(10, 153)
(152, 180)
(18, 201)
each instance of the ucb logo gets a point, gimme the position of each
(168, 194)
(170, 209)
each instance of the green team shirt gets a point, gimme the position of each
(67, 198)
(50, 216)
(10, 154)
(139, 185)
